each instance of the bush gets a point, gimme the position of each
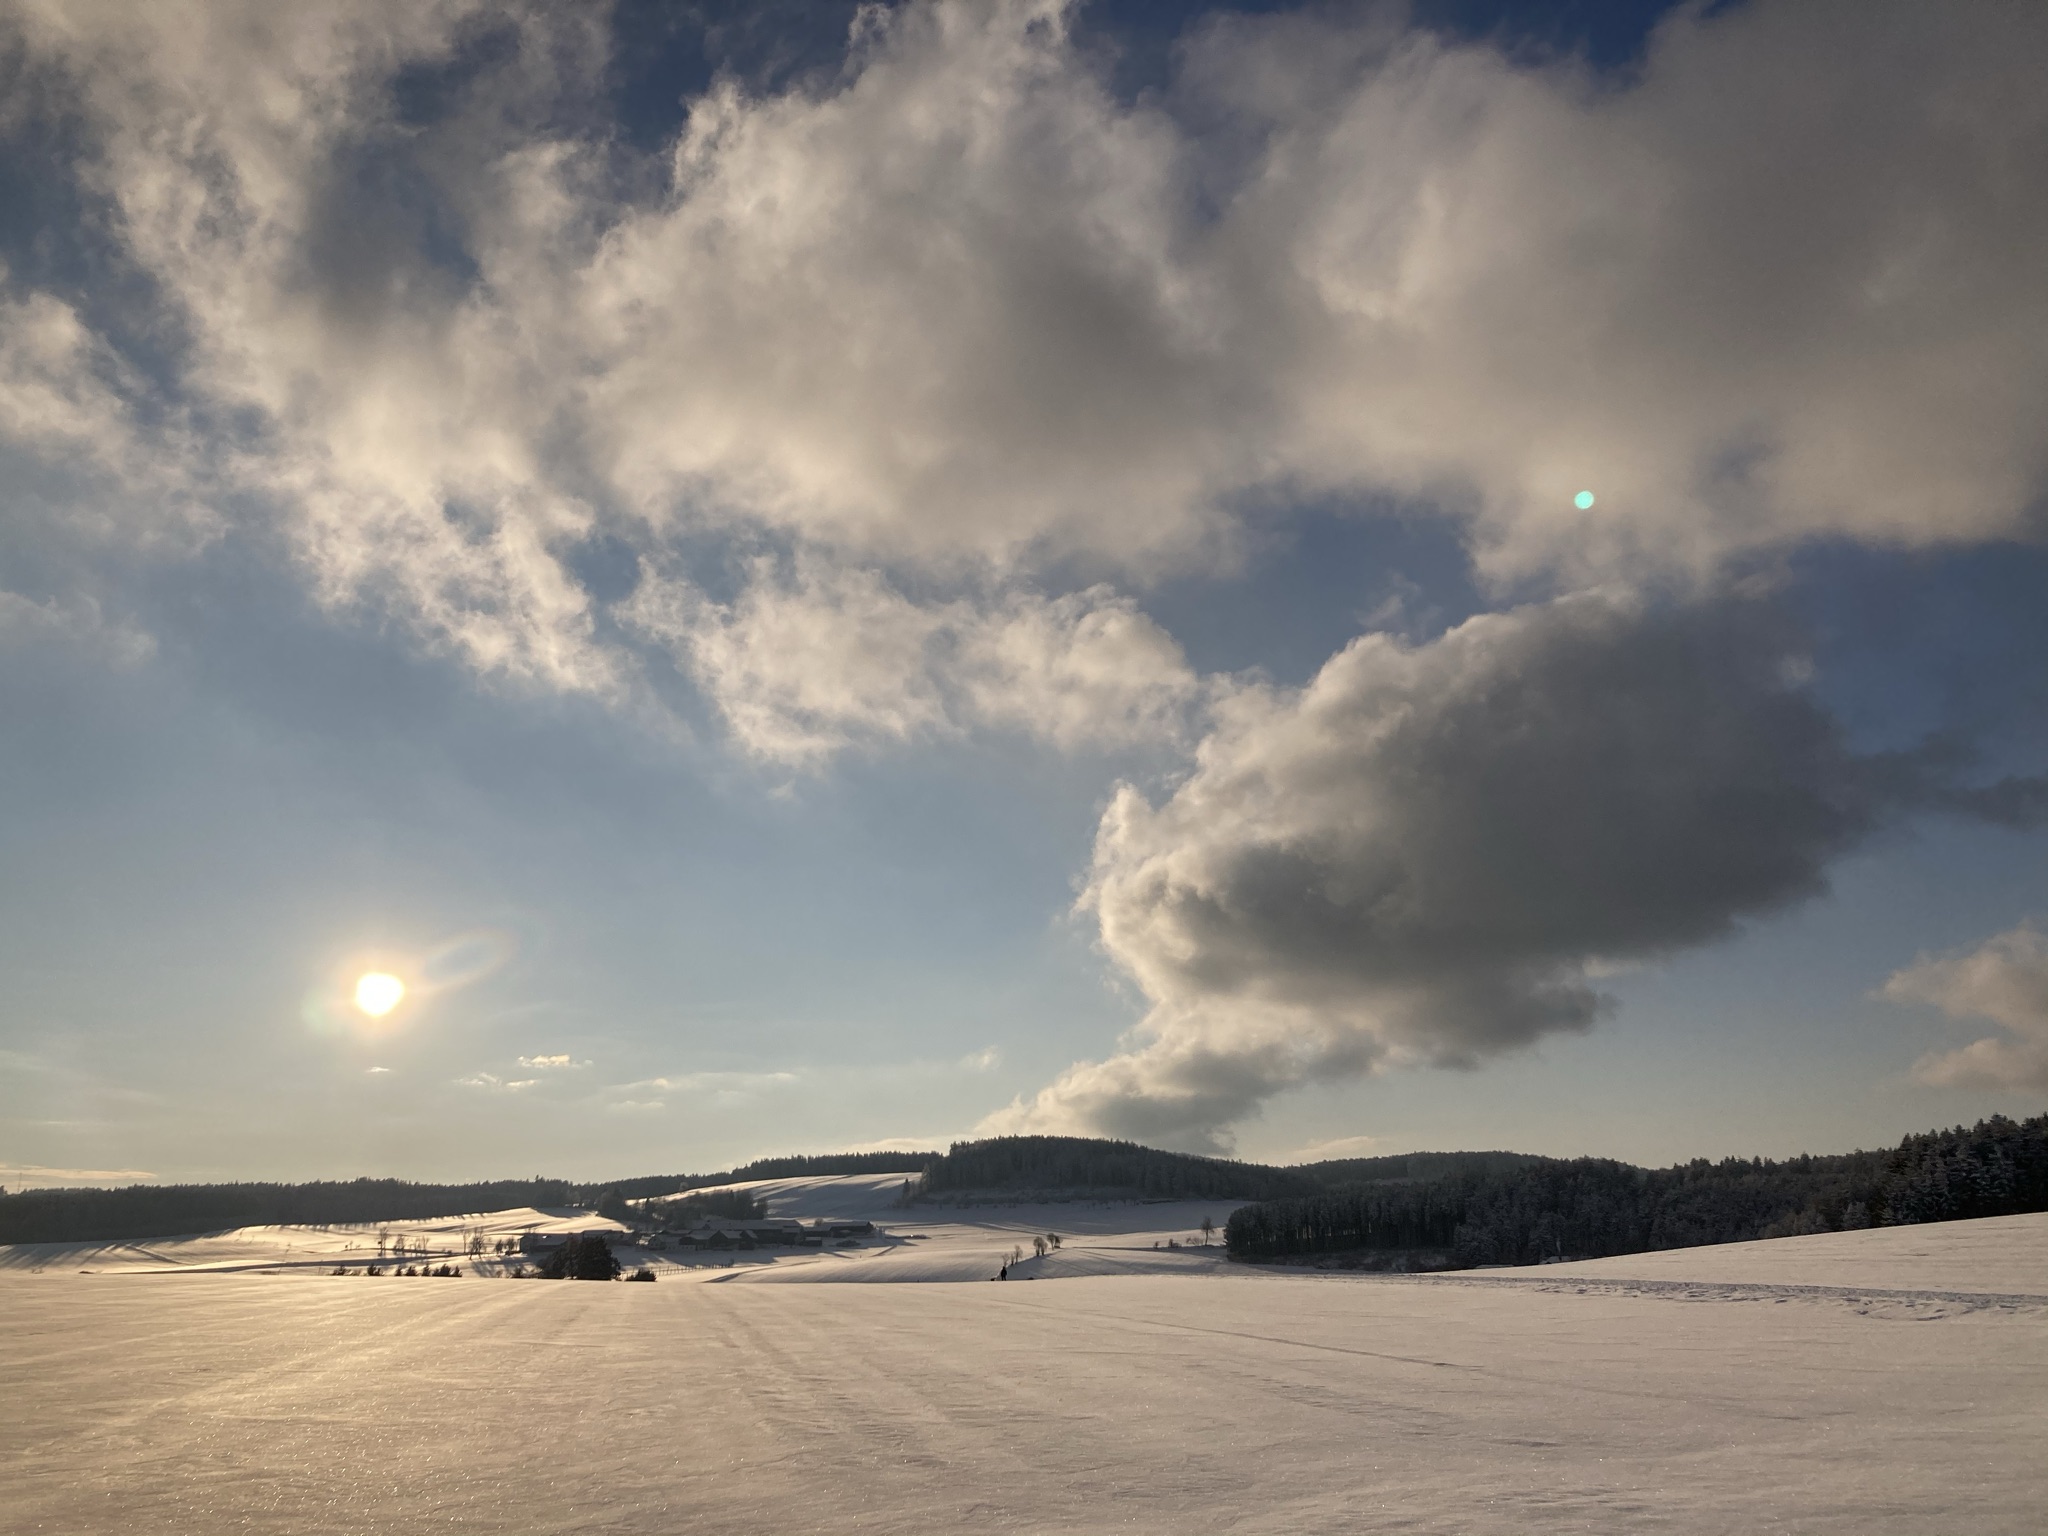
(588, 1257)
(642, 1273)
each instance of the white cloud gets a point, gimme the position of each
(77, 461)
(965, 304)
(389, 411)
(1087, 669)
(1337, 1147)
(828, 657)
(33, 1176)
(77, 620)
(2005, 980)
(958, 321)
(944, 309)
(551, 1062)
(1762, 292)
(52, 396)
(960, 310)
(493, 1082)
(724, 1083)
(803, 670)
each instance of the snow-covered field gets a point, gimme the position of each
(917, 1243)
(1887, 1381)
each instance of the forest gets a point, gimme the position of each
(165, 1210)
(1508, 1213)
(1073, 1166)
(1448, 1208)
(821, 1165)
(1080, 1167)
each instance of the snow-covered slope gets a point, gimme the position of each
(301, 1402)
(288, 1248)
(917, 1243)
(939, 1243)
(1998, 1254)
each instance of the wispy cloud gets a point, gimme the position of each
(34, 1176)
(715, 1082)
(495, 1083)
(77, 620)
(1339, 1147)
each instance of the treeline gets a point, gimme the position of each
(1085, 1166)
(1416, 1167)
(1469, 1207)
(169, 1210)
(1076, 1165)
(165, 1210)
(1593, 1207)
(711, 1205)
(823, 1165)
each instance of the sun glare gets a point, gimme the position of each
(1583, 500)
(377, 993)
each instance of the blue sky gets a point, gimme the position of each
(1017, 573)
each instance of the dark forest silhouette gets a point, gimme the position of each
(167, 1210)
(1443, 1208)
(1594, 1207)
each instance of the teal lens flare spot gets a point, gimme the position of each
(1583, 500)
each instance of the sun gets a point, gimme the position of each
(377, 993)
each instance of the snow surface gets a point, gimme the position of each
(925, 1243)
(1869, 1382)
(2000, 1253)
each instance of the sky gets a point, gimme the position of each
(1293, 581)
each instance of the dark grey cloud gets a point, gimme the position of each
(1431, 853)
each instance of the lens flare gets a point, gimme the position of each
(1583, 500)
(378, 992)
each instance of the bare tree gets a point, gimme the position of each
(1208, 1229)
(1053, 1238)
(1039, 1244)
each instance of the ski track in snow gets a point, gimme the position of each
(223, 1383)
(1917, 1304)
